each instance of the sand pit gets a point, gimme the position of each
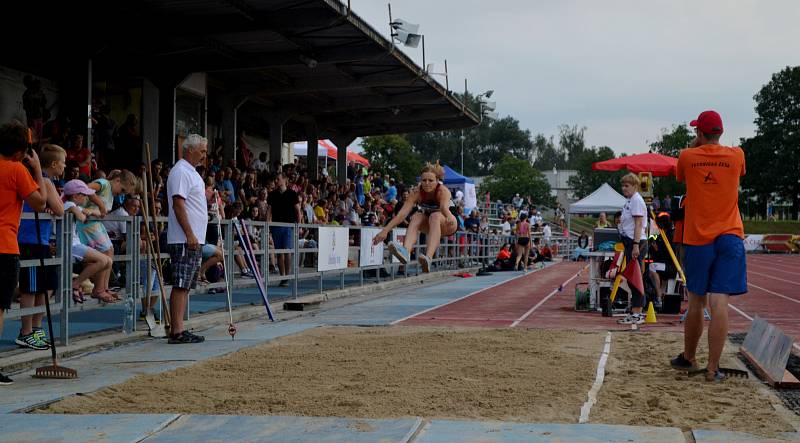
(641, 389)
(514, 375)
(392, 372)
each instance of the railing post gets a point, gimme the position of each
(295, 259)
(131, 247)
(66, 269)
(264, 242)
(230, 259)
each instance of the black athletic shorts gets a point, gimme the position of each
(31, 280)
(9, 274)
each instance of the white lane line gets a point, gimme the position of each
(772, 277)
(598, 382)
(773, 292)
(771, 267)
(462, 298)
(552, 293)
(795, 345)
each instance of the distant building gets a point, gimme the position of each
(559, 185)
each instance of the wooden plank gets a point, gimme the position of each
(789, 381)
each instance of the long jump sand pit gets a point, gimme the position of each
(379, 372)
(391, 372)
(641, 388)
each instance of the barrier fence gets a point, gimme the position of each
(316, 254)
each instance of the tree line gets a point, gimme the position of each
(512, 157)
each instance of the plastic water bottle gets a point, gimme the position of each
(127, 321)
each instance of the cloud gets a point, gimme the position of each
(624, 69)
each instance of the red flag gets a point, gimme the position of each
(633, 274)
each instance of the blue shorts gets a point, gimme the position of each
(282, 237)
(719, 267)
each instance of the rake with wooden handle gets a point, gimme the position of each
(54, 370)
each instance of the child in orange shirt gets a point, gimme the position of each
(16, 186)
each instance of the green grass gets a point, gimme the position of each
(771, 227)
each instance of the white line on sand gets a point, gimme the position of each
(598, 382)
(462, 298)
(552, 293)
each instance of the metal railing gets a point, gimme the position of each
(459, 250)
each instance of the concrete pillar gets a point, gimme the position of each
(275, 139)
(166, 83)
(149, 119)
(75, 96)
(342, 142)
(312, 159)
(166, 124)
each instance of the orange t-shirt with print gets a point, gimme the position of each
(16, 184)
(711, 173)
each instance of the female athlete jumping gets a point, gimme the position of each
(433, 217)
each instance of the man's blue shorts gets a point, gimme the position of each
(719, 267)
(282, 237)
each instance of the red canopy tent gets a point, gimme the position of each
(354, 157)
(351, 156)
(657, 164)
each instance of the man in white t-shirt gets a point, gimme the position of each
(186, 232)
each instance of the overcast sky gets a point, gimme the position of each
(623, 69)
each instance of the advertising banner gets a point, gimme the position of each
(371, 255)
(398, 235)
(333, 246)
(753, 242)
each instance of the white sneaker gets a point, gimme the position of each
(425, 262)
(399, 251)
(632, 319)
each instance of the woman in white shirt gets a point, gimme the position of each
(634, 238)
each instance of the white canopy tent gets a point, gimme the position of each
(603, 199)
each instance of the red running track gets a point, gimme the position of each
(502, 305)
(533, 301)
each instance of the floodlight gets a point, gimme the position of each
(406, 33)
(408, 39)
(488, 94)
(402, 25)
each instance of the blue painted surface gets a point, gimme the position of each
(385, 310)
(707, 436)
(31, 428)
(95, 319)
(228, 429)
(447, 431)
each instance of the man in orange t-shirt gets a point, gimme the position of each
(16, 186)
(713, 238)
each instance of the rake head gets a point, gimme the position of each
(232, 330)
(730, 372)
(55, 371)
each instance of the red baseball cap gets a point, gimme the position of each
(708, 122)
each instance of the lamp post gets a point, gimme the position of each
(483, 106)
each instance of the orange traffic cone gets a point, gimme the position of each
(651, 314)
